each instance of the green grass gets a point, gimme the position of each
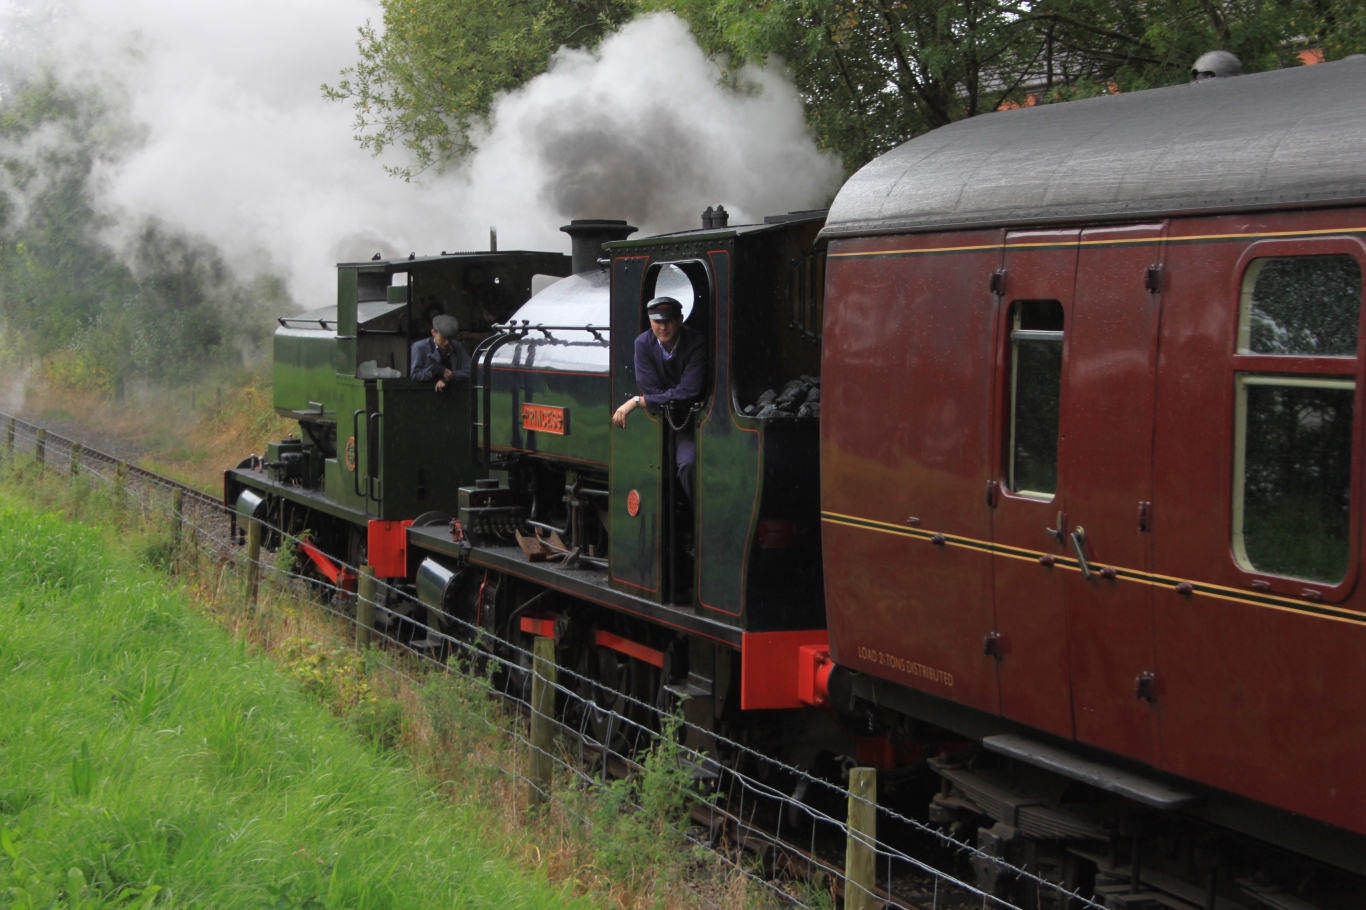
(146, 759)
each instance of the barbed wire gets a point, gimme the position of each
(400, 611)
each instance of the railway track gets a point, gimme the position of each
(22, 435)
(744, 821)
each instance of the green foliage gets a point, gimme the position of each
(430, 75)
(1340, 26)
(639, 821)
(872, 73)
(166, 305)
(463, 720)
(334, 676)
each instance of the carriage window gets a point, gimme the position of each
(1293, 429)
(1307, 306)
(1292, 480)
(1035, 388)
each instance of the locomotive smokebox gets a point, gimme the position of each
(588, 236)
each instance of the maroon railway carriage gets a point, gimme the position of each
(1091, 467)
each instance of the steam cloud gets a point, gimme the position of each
(239, 148)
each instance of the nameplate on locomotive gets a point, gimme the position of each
(543, 418)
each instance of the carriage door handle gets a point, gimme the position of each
(1060, 532)
(1078, 539)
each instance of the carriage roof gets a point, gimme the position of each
(1291, 137)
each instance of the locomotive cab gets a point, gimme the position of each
(749, 540)
(373, 444)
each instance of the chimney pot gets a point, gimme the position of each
(589, 234)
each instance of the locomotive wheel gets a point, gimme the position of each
(621, 710)
(427, 519)
(514, 677)
(607, 702)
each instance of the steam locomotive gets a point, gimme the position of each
(1083, 497)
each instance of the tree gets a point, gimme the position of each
(872, 73)
(167, 305)
(430, 76)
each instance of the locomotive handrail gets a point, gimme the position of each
(321, 323)
(481, 443)
(372, 475)
(481, 376)
(521, 328)
(355, 434)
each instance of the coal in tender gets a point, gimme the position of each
(793, 392)
(792, 401)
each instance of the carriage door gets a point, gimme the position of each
(1105, 462)
(1033, 323)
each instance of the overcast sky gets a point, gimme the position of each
(242, 149)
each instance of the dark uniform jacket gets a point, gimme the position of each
(681, 377)
(428, 362)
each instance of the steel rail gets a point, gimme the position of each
(201, 497)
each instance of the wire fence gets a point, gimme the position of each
(781, 828)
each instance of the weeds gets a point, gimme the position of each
(639, 821)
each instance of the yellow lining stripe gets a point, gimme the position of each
(1152, 579)
(1114, 242)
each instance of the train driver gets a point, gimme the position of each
(440, 357)
(671, 366)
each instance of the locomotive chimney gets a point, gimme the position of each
(715, 218)
(589, 234)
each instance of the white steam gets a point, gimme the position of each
(241, 149)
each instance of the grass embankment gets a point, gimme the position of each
(147, 759)
(161, 745)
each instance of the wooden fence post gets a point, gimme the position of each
(253, 560)
(75, 460)
(542, 723)
(40, 450)
(177, 519)
(121, 485)
(860, 852)
(365, 606)
(9, 437)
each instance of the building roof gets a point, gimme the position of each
(1290, 137)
